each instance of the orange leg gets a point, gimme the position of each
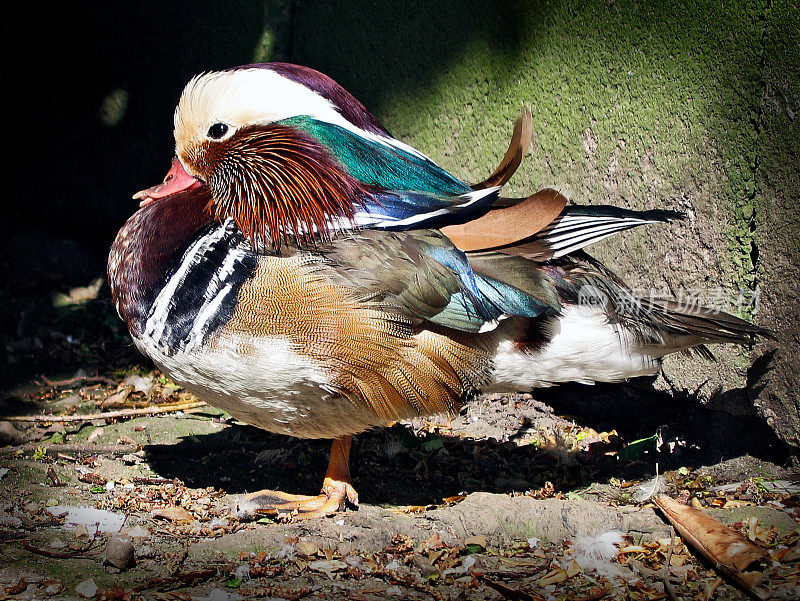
(336, 493)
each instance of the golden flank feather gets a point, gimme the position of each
(372, 356)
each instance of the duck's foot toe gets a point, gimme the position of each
(336, 495)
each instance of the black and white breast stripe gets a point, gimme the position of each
(199, 293)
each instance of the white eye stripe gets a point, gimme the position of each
(255, 96)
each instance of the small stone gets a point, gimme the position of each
(86, 589)
(120, 552)
(10, 435)
(52, 587)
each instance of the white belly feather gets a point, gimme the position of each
(263, 382)
(584, 348)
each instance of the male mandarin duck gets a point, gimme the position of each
(312, 275)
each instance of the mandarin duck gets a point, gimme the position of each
(313, 276)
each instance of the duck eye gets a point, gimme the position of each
(217, 130)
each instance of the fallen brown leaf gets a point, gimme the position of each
(728, 551)
(306, 548)
(553, 577)
(173, 514)
(327, 566)
(720, 543)
(282, 592)
(17, 588)
(401, 543)
(433, 543)
(477, 540)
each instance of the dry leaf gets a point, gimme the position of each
(52, 587)
(737, 503)
(306, 548)
(573, 569)
(553, 577)
(401, 543)
(177, 515)
(412, 509)
(718, 542)
(454, 500)
(327, 566)
(433, 543)
(434, 556)
(477, 540)
(725, 548)
(118, 397)
(753, 579)
(17, 588)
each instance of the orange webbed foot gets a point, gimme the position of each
(285, 507)
(336, 494)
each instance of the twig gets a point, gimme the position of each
(76, 380)
(665, 574)
(152, 410)
(92, 449)
(156, 481)
(175, 565)
(395, 578)
(66, 555)
(513, 594)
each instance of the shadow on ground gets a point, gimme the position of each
(396, 467)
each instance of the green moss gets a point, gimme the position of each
(638, 104)
(778, 172)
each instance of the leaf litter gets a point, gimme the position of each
(101, 440)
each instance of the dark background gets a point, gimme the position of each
(72, 176)
(69, 176)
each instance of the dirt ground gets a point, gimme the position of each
(525, 496)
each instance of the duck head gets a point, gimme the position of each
(237, 133)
